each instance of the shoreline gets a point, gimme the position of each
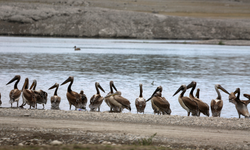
(42, 127)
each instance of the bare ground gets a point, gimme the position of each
(41, 127)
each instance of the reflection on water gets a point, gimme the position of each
(128, 63)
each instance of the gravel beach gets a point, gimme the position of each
(46, 127)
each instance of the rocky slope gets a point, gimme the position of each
(78, 19)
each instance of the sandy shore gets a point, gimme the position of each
(42, 127)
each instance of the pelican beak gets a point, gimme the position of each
(191, 85)
(101, 88)
(180, 88)
(114, 87)
(247, 96)
(54, 86)
(12, 80)
(68, 80)
(32, 85)
(157, 89)
(224, 90)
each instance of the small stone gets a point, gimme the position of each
(56, 142)
(20, 144)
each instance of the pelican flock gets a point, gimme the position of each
(117, 103)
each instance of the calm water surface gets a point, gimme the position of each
(128, 63)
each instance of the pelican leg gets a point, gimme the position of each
(99, 109)
(17, 104)
(188, 113)
(11, 105)
(43, 106)
(69, 106)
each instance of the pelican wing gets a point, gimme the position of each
(190, 104)
(73, 97)
(216, 105)
(123, 101)
(15, 94)
(162, 104)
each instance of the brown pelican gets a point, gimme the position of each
(76, 48)
(187, 103)
(83, 100)
(55, 99)
(140, 102)
(123, 102)
(15, 93)
(203, 107)
(217, 104)
(110, 101)
(96, 100)
(40, 95)
(240, 106)
(72, 96)
(197, 93)
(28, 95)
(159, 104)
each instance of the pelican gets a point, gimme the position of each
(140, 102)
(124, 103)
(187, 103)
(72, 96)
(96, 100)
(15, 93)
(197, 93)
(241, 106)
(159, 104)
(76, 48)
(83, 100)
(55, 99)
(217, 104)
(203, 107)
(110, 101)
(40, 95)
(28, 95)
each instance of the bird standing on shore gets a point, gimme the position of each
(159, 104)
(109, 99)
(187, 103)
(96, 100)
(217, 104)
(140, 102)
(241, 106)
(28, 95)
(72, 96)
(40, 95)
(15, 93)
(203, 107)
(55, 99)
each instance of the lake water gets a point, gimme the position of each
(128, 63)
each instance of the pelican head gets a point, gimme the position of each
(192, 84)
(70, 79)
(181, 88)
(112, 85)
(54, 86)
(97, 85)
(33, 85)
(218, 86)
(17, 77)
(158, 89)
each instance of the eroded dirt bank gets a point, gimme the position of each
(41, 127)
(63, 18)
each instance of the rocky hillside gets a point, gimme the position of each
(80, 19)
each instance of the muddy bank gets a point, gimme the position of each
(80, 19)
